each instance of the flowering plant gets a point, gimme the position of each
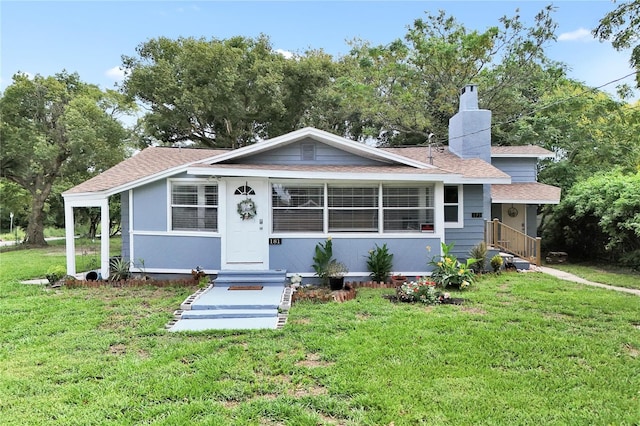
(451, 272)
(422, 290)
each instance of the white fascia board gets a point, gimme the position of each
(297, 174)
(130, 185)
(516, 201)
(324, 137)
(539, 156)
(91, 199)
(457, 179)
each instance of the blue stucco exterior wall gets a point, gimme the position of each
(520, 169)
(409, 254)
(150, 207)
(177, 252)
(125, 225)
(473, 231)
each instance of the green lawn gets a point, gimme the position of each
(612, 275)
(23, 264)
(525, 349)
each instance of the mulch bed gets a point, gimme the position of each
(187, 282)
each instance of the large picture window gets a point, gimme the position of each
(302, 208)
(194, 207)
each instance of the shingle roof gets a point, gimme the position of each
(157, 160)
(526, 193)
(146, 163)
(446, 160)
(520, 151)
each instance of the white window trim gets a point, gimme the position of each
(194, 181)
(460, 222)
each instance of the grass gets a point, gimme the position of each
(524, 349)
(604, 274)
(23, 264)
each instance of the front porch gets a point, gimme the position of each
(509, 240)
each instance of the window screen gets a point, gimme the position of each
(194, 207)
(297, 208)
(408, 209)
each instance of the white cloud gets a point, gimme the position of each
(285, 53)
(115, 73)
(581, 34)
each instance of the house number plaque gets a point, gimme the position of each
(275, 241)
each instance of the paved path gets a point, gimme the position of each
(570, 277)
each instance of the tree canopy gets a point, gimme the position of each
(56, 127)
(622, 27)
(222, 93)
(408, 89)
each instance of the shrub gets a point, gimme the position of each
(380, 263)
(55, 273)
(496, 263)
(479, 252)
(120, 269)
(322, 257)
(422, 290)
(450, 272)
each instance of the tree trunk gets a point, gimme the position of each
(40, 191)
(35, 229)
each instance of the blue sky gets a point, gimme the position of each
(89, 37)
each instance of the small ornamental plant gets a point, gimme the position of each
(380, 263)
(422, 290)
(322, 258)
(449, 272)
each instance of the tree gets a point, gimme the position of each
(221, 93)
(599, 219)
(408, 89)
(53, 127)
(622, 27)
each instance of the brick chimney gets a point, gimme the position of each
(470, 128)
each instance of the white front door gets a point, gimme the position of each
(247, 214)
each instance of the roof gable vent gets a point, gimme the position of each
(308, 152)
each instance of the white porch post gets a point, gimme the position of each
(69, 227)
(104, 238)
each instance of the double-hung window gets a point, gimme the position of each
(194, 207)
(353, 209)
(408, 209)
(452, 209)
(298, 207)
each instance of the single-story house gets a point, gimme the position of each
(266, 206)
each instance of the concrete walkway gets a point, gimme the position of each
(570, 277)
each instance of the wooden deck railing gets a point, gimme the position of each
(510, 240)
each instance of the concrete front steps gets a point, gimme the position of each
(221, 308)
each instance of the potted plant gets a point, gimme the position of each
(336, 272)
(398, 279)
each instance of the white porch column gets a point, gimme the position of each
(104, 238)
(69, 227)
